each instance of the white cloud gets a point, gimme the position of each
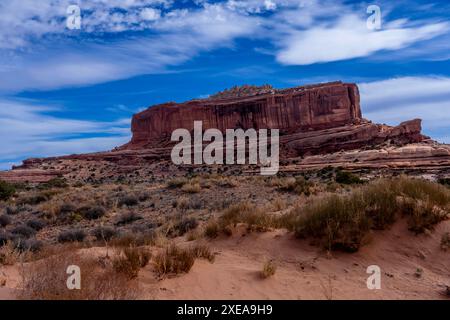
(395, 100)
(150, 14)
(301, 32)
(349, 38)
(180, 36)
(25, 21)
(28, 130)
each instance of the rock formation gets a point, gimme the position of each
(320, 125)
(301, 109)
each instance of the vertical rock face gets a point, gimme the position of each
(300, 109)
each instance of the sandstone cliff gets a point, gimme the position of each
(300, 109)
(320, 125)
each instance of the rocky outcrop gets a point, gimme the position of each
(320, 126)
(349, 137)
(301, 109)
(427, 156)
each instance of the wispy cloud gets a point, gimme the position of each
(28, 130)
(156, 35)
(176, 38)
(349, 38)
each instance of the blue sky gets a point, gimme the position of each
(68, 91)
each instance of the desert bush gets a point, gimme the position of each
(278, 204)
(176, 183)
(297, 185)
(5, 220)
(54, 183)
(182, 226)
(66, 208)
(181, 203)
(194, 235)
(343, 221)
(244, 212)
(345, 177)
(173, 260)
(71, 236)
(129, 261)
(36, 224)
(185, 203)
(92, 212)
(227, 182)
(203, 251)
(135, 239)
(338, 221)
(128, 200)
(445, 241)
(104, 233)
(5, 237)
(422, 216)
(269, 269)
(191, 187)
(27, 245)
(7, 190)
(419, 189)
(8, 254)
(46, 280)
(127, 218)
(36, 198)
(212, 229)
(23, 231)
(444, 181)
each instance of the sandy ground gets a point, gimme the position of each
(303, 271)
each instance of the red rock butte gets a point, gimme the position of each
(320, 125)
(301, 109)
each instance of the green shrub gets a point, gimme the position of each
(7, 190)
(54, 183)
(345, 177)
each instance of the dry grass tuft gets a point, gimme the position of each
(245, 212)
(9, 255)
(269, 269)
(191, 187)
(342, 222)
(174, 260)
(46, 279)
(129, 261)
